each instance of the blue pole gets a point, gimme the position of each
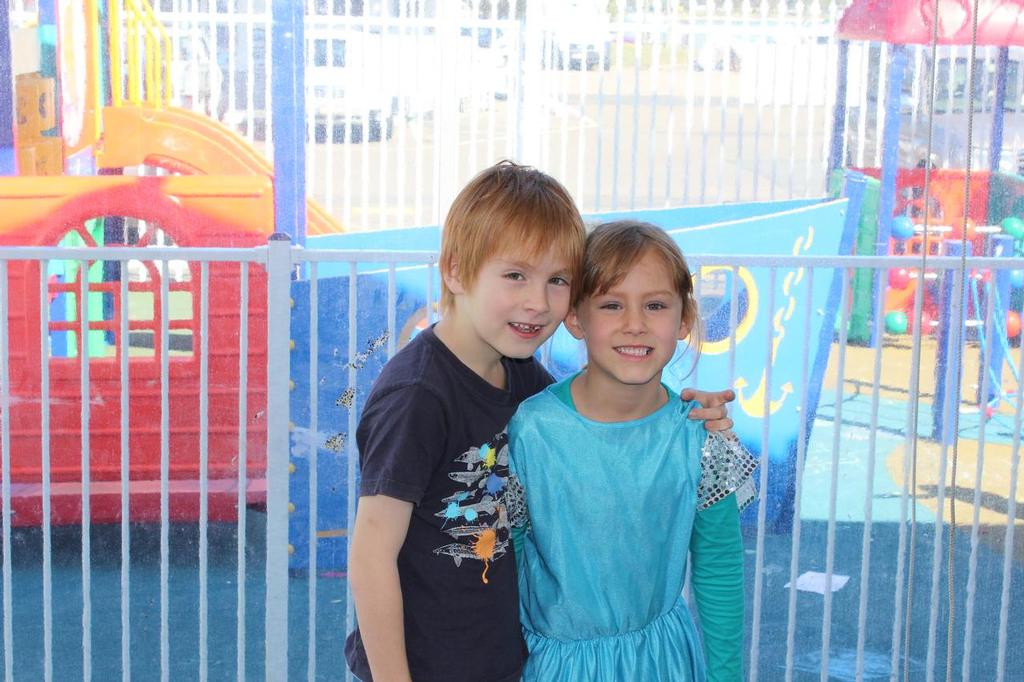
(890, 165)
(288, 111)
(1000, 245)
(7, 162)
(949, 357)
(835, 157)
(998, 109)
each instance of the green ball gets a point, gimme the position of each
(1014, 227)
(896, 322)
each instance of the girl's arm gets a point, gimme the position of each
(716, 552)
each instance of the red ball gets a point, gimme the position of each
(899, 279)
(1012, 324)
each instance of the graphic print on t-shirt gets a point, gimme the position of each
(474, 515)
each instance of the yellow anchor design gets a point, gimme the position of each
(753, 404)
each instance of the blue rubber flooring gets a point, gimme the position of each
(183, 586)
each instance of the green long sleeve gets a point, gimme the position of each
(716, 575)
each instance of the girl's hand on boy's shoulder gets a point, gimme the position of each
(712, 410)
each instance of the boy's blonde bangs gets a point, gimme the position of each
(510, 210)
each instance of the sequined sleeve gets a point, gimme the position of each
(515, 504)
(726, 467)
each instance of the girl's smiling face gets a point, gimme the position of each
(631, 330)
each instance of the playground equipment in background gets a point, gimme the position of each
(232, 205)
(993, 196)
(901, 192)
(909, 238)
(210, 211)
(993, 228)
(184, 142)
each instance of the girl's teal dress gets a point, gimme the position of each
(606, 514)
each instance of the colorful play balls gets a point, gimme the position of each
(902, 227)
(1013, 226)
(896, 322)
(899, 279)
(1012, 324)
(1017, 279)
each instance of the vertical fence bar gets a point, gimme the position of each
(392, 311)
(987, 342)
(83, 358)
(762, 503)
(351, 453)
(278, 363)
(689, 97)
(314, 451)
(386, 128)
(364, 171)
(951, 401)
(347, 207)
(801, 453)
(243, 484)
(616, 126)
(759, 45)
(1011, 523)
(635, 142)
(250, 76)
(44, 456)
(124, 345)
(865, 561)
(400, 134)
(734, 304)
(705, 124)
(204, 464)
(420, 132)
(5, 465)
(830, 544)
(909, 484)
(164, 348)
(657, 51)
(697, 293)
(581, 133)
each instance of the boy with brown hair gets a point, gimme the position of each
(431, 567)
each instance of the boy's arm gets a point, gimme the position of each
(716, 551)
(380, 529)
(712, 408)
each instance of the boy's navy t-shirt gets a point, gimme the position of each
(432, 433)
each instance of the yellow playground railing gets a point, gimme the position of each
(141, 54)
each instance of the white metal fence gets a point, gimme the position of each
(205, 598)
(640, 108)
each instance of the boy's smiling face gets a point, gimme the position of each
(514, 305)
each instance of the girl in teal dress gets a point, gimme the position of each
(612, 490)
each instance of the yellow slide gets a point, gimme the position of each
(183, 141)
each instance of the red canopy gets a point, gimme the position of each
(1000, 22)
